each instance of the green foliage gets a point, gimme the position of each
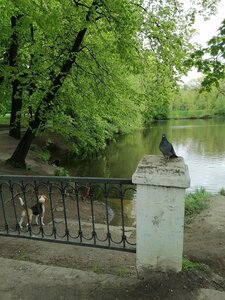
(122, 272)
(97, 269)
(210, 60)
(195, 203)
(194, 266)
(34, 147)
(123, 74)
(222, 191)
(188, 114)
(4, 119)
(159, 90)
(44, 154)
(60, 171)
(22, 257)
(189, 102)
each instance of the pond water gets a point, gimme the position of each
(200, 142)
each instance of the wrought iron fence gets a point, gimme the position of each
(85, 211)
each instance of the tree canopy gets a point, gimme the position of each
(210, 60)
(89, 69)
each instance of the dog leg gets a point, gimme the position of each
(42, 221)
(37, 219)
(21, 219)
(30, 216)
(21, 222)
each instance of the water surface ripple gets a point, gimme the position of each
(200, 142)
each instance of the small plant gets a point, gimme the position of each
(97, 269)
(194, 266)
(44, 154)
(22, 257)
(34, 147)
(222, 191)
(60, 171)
(195, 203)
(122, 272)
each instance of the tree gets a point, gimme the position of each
(18, 157)
(210, 60)
(16, 103)
(91, 48)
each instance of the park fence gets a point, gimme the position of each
(95, 212)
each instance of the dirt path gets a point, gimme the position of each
(39, 270)
(205, 237)
(107, 274)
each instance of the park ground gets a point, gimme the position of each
(42, 270)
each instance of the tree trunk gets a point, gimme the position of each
(15, 117)
(16, 103)
(19, 156)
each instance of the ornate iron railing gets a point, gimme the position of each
(85, 211)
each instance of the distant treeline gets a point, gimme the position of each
(189, 102)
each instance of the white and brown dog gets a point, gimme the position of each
(37, 210)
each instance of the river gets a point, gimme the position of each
(200, 142)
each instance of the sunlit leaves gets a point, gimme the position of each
(126, 66)
(210, 60)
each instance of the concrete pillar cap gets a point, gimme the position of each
(156, 170)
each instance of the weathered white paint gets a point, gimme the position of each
(160, 212)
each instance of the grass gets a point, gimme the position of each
(122, 272)
(194, 266)
(97, 269)
(195, 203)
(44, 154)
(60, 171)
(188, 114)
(4, 120)
(22, 257)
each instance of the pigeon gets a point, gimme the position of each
(167, 148)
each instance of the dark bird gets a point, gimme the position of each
(167, 148)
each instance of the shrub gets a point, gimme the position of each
(60, 171)
(44, 154)
(222, 191)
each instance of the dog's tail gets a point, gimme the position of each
(21, 202)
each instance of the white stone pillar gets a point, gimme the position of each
(161, 188)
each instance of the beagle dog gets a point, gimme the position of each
(36, 210)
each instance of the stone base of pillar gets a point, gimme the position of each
(160, 213)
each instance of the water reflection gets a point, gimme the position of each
(200, 142)
(128, 212)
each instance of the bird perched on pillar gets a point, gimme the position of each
(167, 148)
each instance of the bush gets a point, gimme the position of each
(44, 154)
(61, 172)
(222, 191)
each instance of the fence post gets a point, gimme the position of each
(161, 188)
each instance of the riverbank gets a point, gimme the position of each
(55, 271)
(190, 114)
(36, 269)
(35, 165)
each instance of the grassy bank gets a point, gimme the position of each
(195, 202)
(189, 114)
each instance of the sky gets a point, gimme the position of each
(206, 30)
